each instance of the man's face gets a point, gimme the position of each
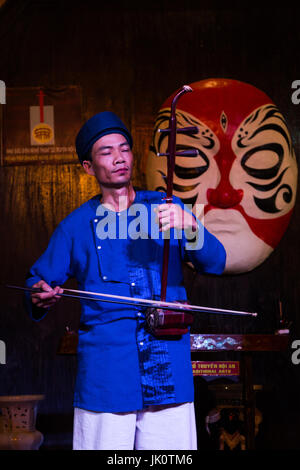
(245, 173)
(112, 161)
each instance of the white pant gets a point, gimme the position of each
(167, 427)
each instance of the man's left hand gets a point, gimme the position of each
(173, 216)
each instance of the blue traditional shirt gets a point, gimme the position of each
(121, 366)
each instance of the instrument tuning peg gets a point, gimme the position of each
(187, 88)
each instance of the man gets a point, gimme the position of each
(133, 389)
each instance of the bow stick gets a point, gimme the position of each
(135, 301)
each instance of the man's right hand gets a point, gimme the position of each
(47, 297)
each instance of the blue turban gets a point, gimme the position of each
(96, 127)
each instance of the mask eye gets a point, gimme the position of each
(250, 160)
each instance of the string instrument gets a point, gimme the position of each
(162, 322)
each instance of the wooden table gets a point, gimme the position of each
(247, 344)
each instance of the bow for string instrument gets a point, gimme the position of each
(161, 322)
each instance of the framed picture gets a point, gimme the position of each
(39, 125)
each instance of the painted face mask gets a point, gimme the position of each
(245, 173)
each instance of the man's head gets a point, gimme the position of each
(101, 124)
(104, 146)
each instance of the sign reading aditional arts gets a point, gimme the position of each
(40, 125)
(216, 368)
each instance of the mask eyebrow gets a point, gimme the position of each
(182, 121)
(263, 116)
(274, 127)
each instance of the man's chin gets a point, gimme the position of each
(116, 184)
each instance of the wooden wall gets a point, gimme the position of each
(129, 59)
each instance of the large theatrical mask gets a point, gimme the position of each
(245, 173)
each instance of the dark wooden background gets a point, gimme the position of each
(128, 59)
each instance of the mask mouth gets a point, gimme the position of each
(224, 199)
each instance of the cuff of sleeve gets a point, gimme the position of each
(35, 313)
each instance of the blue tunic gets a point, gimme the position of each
(121, 366)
